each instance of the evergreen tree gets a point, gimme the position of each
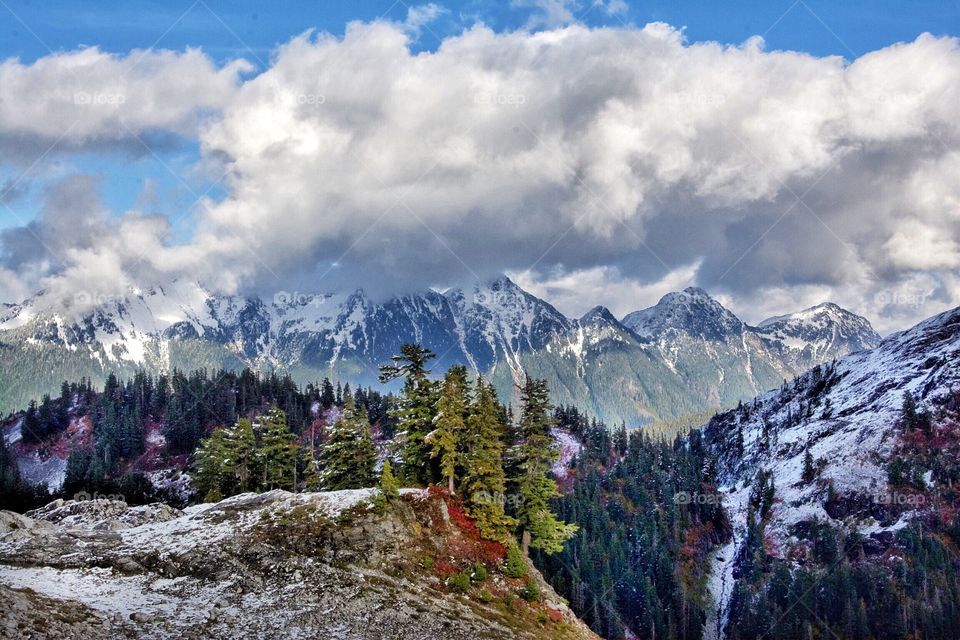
(809, 471)
(533, 454)
(327, 396)
(347, 458)
(213, 466)
(449, 422)
(14, 492)
(415, 410)
(278, 451)
(241, 448)
(484, 480)
(389, 488)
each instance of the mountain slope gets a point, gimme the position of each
(828, 441)
(684, 355)
(275, 565)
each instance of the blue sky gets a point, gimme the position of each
(246, 28)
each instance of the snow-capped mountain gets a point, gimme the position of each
(846, 415)
(822, 332)
(691, 312)
(685, 354)
(725, 359)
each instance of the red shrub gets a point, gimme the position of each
(444, 568)
(461, 519)
(554, 615)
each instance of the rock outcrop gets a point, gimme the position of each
(277, 565)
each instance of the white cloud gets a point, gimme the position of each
(576, 292)
(609, 157)
(89, 97)
(420, 16)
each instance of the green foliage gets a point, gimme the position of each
(514, 566)
(277, 452)
(459, 582)
(531, 591)
(348, 457)
(484, 481)
(15, 494)
(532, 455)
(249, 456)
(449, 423)
(479, 573)
(389, 487)
(641, 556)
(415, 410)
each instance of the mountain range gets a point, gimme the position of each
(684, 355)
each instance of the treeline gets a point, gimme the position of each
(649, 517)
(113, 424)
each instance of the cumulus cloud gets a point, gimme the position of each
(87, 98)
(628, 160)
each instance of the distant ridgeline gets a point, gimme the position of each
(687, 354)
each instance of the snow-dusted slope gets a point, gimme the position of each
(846, 416)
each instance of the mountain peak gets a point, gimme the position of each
(692, 311)
(599, 315)
(827, 325)
(697, 291)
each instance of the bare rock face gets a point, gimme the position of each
(102, 514)
(277, 565)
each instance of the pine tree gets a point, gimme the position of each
(12, 488)
(809, 471)
(212, 466)
(311, 471)
(449, 422)
(484, 480)
(241, 447)
(348, 456)
(533, 453)
(415, 411)
(327, 396)
(389, 488)
(278, 452)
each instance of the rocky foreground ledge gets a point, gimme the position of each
(272, 565)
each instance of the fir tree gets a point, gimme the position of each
(278, 452)
(389, 488)
(241, 447)
(212, 466)
(533, 453)
(415, 411)
(449, 422)
(348, 456)
(484, 480)
(809, 471)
